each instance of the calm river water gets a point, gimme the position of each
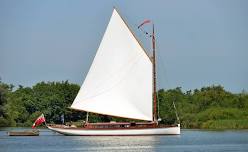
(188, 141)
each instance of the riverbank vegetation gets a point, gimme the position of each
(209, 107)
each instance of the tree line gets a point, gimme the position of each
(209, 107)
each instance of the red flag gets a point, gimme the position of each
(39, 121)
(145, 22)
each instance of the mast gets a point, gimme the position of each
(154, 76)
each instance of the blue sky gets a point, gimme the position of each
(199, 43)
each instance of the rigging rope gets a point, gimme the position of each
(176, 112)
(166, 77)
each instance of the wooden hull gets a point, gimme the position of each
(24, 133)
(174, 130)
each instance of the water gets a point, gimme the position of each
(188, 141)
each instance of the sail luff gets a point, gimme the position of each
(133, 34)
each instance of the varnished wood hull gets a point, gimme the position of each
(172, 130)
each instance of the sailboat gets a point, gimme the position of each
(121, 82)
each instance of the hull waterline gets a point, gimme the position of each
(117, 132)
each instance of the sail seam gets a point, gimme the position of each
(110, 88)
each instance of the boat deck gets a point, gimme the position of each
(113, 126)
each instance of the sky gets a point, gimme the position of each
(199, 43)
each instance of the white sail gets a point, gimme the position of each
(119, 82)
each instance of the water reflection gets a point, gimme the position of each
(121, 143)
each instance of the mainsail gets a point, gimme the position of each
(119, 82)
